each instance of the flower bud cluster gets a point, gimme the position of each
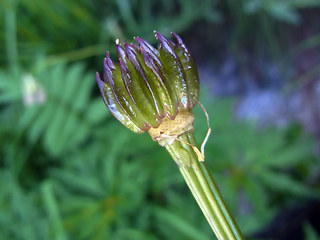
(149, 84)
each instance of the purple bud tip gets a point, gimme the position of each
(129, 51)
(98, 76)
(149, 59)
(164, 43)
(99, 81)
(179, 40)
(105, 63)
(147, 47)
(157, 34)
(123, 65)
(145, 54)
(121, 52)
(108, 61)
(107, 72)
(134, 46)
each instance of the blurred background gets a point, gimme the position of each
(69, 170)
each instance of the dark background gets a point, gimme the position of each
(69, 170)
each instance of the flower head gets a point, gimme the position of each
(149, 85)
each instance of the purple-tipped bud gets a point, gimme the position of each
(107, 76)
(125, 76)
(130, 52)
(148, 85)
(165, 44)
(179, 41)
(100, 82)
(109, 61)
(149, 60)
(148, 48)
(135, 47)
(121, 52)
(143, 43)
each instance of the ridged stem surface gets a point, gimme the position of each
(203, 188)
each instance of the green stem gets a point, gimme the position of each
(203, 188)
(11, 38)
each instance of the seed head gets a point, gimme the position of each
(149, 84)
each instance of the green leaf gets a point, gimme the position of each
(41, 121)
(284, 183)
(53, 211)
(71, 83)
(54, 131)
(310, 232)
(83, 183)
(289, 156)
(257, 195)
(179, 224)
(29, 115)
(61, 121)
(84, 88)
(96, 111)
(10, 88)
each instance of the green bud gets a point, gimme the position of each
(149, 84)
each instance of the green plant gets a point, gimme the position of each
(261, 168)
(280, 10)
(101, 193)
(310, 232)
(74, 176)
(76, 30)
(155, 90)
(19, 207)
(66, 113)
(50, 186)
(263, 21)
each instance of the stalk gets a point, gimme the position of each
(203, 188)
(155, 90)
(11, 36)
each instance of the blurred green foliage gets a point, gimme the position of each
(259, 24)
(78, 29)
(310, 233)
(74, 30)
(68, 170)
(259, 169)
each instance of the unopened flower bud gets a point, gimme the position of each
(149, 85)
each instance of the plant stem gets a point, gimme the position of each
(203, 188)
(11, 36)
